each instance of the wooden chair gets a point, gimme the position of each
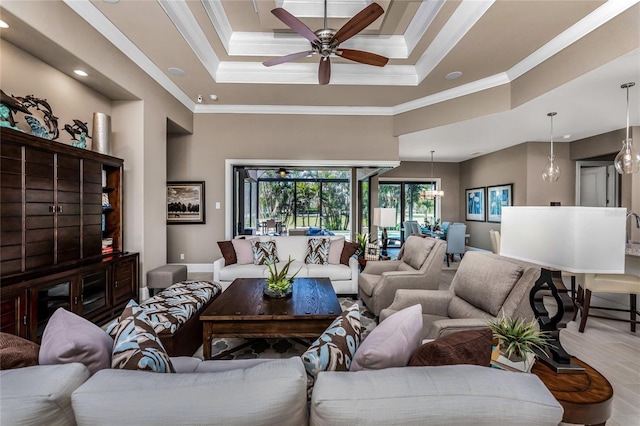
(609, 283)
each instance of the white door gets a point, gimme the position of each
(593, 186)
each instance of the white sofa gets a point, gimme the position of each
(260, 393)
(344, 278)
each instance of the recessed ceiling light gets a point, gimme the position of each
(3, 24)
(566, 136)
(213, 97)
(177, 72)
(476, 153)
(80, 73)
(111, 1)
(453, 75)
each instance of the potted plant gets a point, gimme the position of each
(278, 284)
(517, 340)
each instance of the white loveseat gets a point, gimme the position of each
(344, 278)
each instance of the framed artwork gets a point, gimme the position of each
(185, 202)
(498, 196)
(475, 204)
(372, 251)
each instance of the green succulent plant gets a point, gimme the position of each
(278, 280)
(362, 240)
(517, 338)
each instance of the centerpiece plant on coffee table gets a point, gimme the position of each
(278, 283)
(517, 338)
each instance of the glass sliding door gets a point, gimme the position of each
(406, 198)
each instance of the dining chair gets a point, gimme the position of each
(495, 241)
(455, 240)
(608, 283)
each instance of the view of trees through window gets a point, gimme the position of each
(406, 198)
(305, 198)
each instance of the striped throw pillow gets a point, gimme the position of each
(317, 251)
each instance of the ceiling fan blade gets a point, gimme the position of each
(287, 58)
(324, 71)
(295, 24)
(363, 57)
(362, 20)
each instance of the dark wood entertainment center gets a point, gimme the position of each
(53, 223)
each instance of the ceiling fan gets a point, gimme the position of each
(326, 41)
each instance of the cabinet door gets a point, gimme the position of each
(11, 211)
(67, 208)
(125, 280)
(46, 298)
(39, 208)
(93, 293)
(13, 307)
(91, 208)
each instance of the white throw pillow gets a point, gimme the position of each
(244, 250)
(335, 250)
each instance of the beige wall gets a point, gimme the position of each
(541, 193)
(299, 138)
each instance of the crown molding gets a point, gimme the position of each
(462, 20)
(293, 110)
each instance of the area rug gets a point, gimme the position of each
(238, 348)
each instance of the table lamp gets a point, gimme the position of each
(572, 239)
(384, 217)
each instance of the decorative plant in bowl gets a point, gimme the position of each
(279, 285)
(518, 339)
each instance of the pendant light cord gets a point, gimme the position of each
(627, 113)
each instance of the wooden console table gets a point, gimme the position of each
(586, 397)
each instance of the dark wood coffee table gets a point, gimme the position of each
(243, 311)
(586, 397)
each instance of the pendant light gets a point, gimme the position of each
(551, 172)
(628, 159)
(282, 172)
(432, 193)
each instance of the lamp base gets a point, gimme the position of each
(385, 242)
(555, 356)
(559, 367)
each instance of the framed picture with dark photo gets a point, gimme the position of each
(498, 196)
(475, 204)
(185, 202)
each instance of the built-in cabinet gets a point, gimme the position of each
(60, 204)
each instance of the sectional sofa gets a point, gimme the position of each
(344, 277)
(273, 392)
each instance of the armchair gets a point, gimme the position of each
(419, 268)
(485, 287)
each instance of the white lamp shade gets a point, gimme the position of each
(573, 239)
(384, 217)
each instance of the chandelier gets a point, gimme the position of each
(628, 159)
(431, 193)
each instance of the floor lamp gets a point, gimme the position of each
(384, 217)
(572, 239)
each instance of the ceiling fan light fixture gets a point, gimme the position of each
(551, 172)
(628, 159)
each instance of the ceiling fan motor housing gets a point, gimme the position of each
(326, 47)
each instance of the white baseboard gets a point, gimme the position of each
(468, 248)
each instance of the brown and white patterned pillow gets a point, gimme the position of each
(137, 346)
(317, 251)
(265, 252)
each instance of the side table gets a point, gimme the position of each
(586, 397)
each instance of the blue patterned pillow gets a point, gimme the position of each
(335, 349)
(264, 252)
(317, 251)
(136, 345)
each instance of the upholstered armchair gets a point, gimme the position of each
(419, 267)
(486, 286)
